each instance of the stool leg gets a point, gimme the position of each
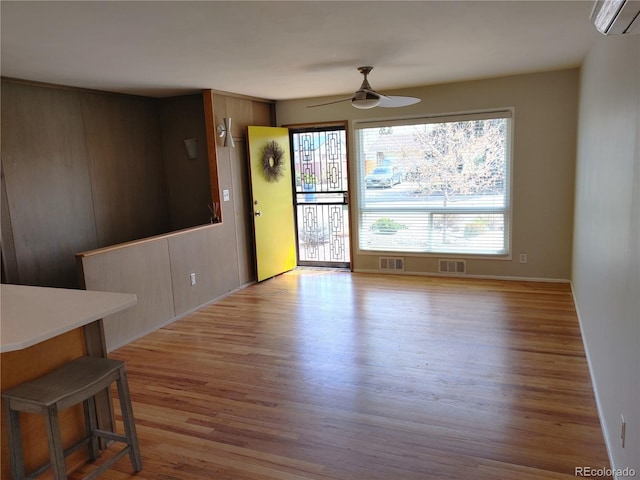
(128, 420)
(91, 424)
(14, 439)
(56, 450)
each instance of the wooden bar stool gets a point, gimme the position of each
(77, 381)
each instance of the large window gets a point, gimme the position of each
(437, 185)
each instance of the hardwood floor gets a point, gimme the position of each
(334, 375)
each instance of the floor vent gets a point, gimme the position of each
(451, 266)
(391, 263)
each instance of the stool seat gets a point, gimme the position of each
(62, 385)
(76, 381)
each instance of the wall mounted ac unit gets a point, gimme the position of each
(615, 17)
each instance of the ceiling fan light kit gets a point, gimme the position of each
(365, 100)
(366, 97)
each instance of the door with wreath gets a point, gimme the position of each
(272, 200)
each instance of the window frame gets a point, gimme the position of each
(506, 210)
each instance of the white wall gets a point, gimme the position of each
(545, 129)
(606, 246)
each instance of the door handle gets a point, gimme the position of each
(258, 213)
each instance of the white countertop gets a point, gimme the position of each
(29, 315)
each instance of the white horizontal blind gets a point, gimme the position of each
(445, 188)
(444, 118)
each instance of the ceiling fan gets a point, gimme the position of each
(366, 97)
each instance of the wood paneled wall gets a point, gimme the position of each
(234, 163)
(48, 183)
(243, 113)
(123, 142)
(85, 170)
(189, 190)
(142, 268)
(158, 269)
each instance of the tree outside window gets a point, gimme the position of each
(453, 196)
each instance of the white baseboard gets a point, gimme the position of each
(451, 275)
(182, 315)
(607, 439)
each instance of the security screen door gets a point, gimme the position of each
(321, 195)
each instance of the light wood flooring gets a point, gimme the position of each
(331, 375)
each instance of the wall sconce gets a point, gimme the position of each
(191, 144)
(224, 131)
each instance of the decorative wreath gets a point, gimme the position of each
(273, 161)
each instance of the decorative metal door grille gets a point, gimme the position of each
(321, 187)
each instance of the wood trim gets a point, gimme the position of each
(57, 86)
(132, 243)
(210, 125)
(338, 123)
(352, 224)
(8, 258)
(344, 124)
(69, 88)
(242, 97)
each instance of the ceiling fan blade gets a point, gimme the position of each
(366, 97)
(396, 101)
(392, 101)
(330, 103)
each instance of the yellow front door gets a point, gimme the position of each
(272, 200)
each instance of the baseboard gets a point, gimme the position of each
(594, 383)
(178, 317)
(453, 275)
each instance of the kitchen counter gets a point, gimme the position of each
(40, 330)
(30, 315)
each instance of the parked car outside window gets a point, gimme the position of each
(383, 177)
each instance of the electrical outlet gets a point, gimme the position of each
(523, 258)
(192, 278)
(623, 430)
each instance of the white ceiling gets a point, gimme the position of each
(286, 49)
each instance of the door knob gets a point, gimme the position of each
(258, 213)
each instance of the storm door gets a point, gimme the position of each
(321, 199)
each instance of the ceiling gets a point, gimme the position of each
(286, 49)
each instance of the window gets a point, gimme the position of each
(437, 185)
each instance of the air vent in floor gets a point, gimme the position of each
(391, 263)
(451, 266)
